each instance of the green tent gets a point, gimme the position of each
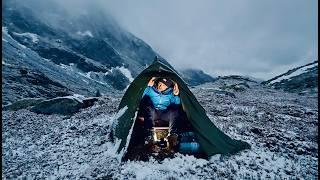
(211, 139)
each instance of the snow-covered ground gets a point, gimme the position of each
(281, 127)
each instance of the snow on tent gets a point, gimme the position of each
(211, 139)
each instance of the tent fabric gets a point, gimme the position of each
(211, 139)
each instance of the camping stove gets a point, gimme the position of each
(160, 136)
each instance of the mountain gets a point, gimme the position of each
(302, 79)
(195, 77)
(49, 53)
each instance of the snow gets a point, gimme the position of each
(155, 170)
(79, 97)
(66, 67)
(85, 33)
(117, 116)
(126, 72)
(284, 144)
(76, 97)
(71, 68)
(6, 64)
(47, 60)
(295, 73)
(87, 75)
(4, 30)
(5, 33)
(34, 37)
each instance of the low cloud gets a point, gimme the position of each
(245, 37)
(257, 38)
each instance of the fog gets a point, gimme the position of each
(244, 37)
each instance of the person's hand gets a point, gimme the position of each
(176, 89)
(151, 81)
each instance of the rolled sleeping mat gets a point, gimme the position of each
(188, 143)
(189, 147)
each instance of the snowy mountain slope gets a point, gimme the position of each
(91, 47)
(281, 127)
(66, 39)
(80, 54)
(26, 74)
(301, 79)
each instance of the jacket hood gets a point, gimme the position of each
(165, 92)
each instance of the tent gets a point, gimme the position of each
(211, 139)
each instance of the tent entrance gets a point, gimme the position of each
(210, 138)
(137, 149)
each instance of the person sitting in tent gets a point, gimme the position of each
(128, 133)
(160, 101)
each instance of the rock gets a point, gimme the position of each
(23, 104)
(23, 72)
(236, 87)
(62, 105)
(257, 131)
(73, 128)
(300, 151)
(66, 105)
(288, 171)
(89, 102)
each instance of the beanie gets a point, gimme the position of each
(165, 81)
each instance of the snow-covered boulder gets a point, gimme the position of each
(63, 105)
(236, 87)
(23, 104)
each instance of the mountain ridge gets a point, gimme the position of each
(301, 79)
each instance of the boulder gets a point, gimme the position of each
(89, 102)
(66, 105)
(23, 104)
(61, 105)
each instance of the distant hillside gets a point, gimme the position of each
(302, 79)
(195, 77)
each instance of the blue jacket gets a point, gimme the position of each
(161, 100)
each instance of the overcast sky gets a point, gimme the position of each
(245, 37)
(259, 38)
